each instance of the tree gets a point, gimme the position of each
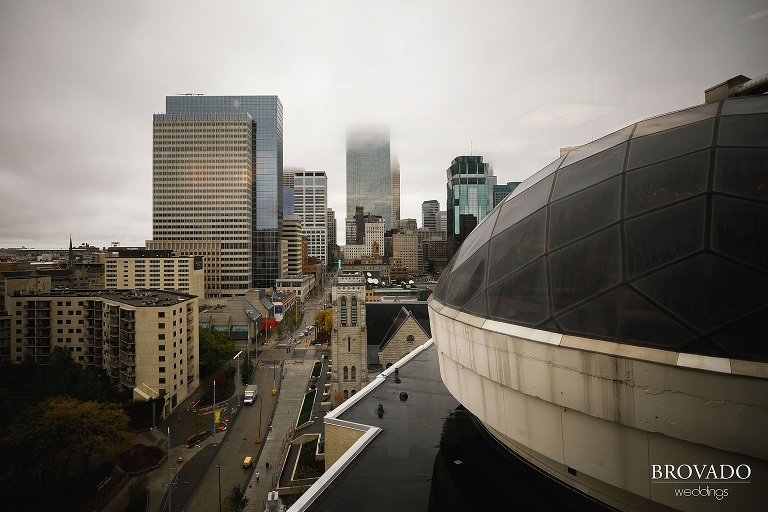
(235, 500)
(324, 322)
(53, 442)
(216, 349)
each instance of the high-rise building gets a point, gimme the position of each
(217, 178)
(333, 244)
(292, 246)
(369, 173)
(395, 193)
(311, 204)
(154, 270)
(467, 197)
(430, 215)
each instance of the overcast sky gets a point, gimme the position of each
(510, 80)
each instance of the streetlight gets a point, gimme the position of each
(214, 413)
(237, 382)
(274, 378)
(218, 466)
(261, 406)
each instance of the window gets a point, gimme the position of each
(410, 338)
(346, 373)
(161, 369)
(354, 311)
(161, 380)
(354, 372)
(161, 347)
(161, 326)
(343, 311)
(161, 359)
(160, 314)
(349, 344)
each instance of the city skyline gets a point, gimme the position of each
(508, 82)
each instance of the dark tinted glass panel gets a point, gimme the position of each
(624, 315)
(585, 268)
(675, 119)
(742, 172)
(522, 205)
(466, 280)
(669, 144)
(747, 130)
(517, 246)
(442, 284)
(661, 237)
(478, 237)
(746, 339)
(706, 291)
(667, 182)
(740, 230)
(522, 297)
(751, 105)
(589, 171)
(535, 179)
(584, 212)
(598, 145)
(477, 305)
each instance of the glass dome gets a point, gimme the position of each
(655, 235)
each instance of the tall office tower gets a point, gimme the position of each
(442, 220)
(202, 175)
(333, 244)
(395, 193)
(430, 215)
(467, 197)
(215, 165)
(311, 204)
(369, 172)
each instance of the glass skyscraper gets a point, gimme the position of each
(265, 149)
(369, 174)
(467, 198)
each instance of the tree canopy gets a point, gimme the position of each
(216, 349)
(51, 443)
(324, 322)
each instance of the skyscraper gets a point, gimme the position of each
(311, 203)
(467, 197)
(369, 173)
(430, 214)
(217, 178)
(395, 193)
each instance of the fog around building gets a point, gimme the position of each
(512, 81)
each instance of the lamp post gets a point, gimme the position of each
(274, 377)
(214, 413)
(261, 406)
(218, 466)
(237, 382)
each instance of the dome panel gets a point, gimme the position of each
(517, 246)
(740, 230)
(585, 268)
(584, 212)
(666, 182)
(742, 172)
(663, 236)
(747, 338)
(534, 180)
(670, 144)
(478, 305)
(466, 280)
(597, 146)
(589, 171)
(675, 119)
(523, 297)
(706, 291)
(520, 206)
(745, 105)
(476, 238)
(623, 315)
(747, 130)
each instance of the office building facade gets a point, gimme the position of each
(217, 176)
(311, 205)
(467, 197)
(154, 270)
(430, 215)
(369, 173)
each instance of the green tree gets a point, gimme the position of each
(246, 368)
(216, 349)
(235, 501)
(53, 443)
(136, 494)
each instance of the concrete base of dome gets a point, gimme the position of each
(626, 430)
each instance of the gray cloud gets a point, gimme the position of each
(509, 80)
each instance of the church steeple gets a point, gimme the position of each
(71, 256)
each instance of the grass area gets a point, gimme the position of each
(308, 466)
(306, 408)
